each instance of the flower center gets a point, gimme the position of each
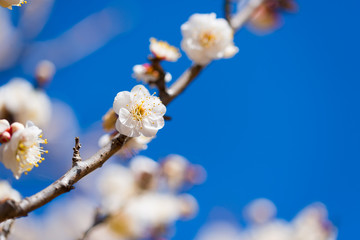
(29, 155)
(207, 39)
(139, 111)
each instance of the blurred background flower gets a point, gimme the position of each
(293, 132)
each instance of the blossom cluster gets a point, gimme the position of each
(141, 199)
(310, 223)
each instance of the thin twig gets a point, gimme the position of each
(160, 82)
(182, 83)
(99, 218)
(11, 209)
(76, 156)
(240, 18)
(5, 230)
(227, 10)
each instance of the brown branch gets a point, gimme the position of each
(240, 18)
(227, 10)
(12, 209)
(182, 83)
(160, 82)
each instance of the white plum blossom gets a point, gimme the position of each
(19, 99)
(147, 74)
(164, 51)
(116, 186)
(23, 151)
(7, 192)
(312, 224)
(146, 213)
(206, 38)
(10, 3)
(139, 112)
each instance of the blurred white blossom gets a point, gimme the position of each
(138, 204)
(164, 51)
(206, 38)
(310, 224)
(147, 74)
(22, 102)
(7, 192)
(139, 112)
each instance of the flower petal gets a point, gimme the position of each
(4, 124)
(126, 119)
(127, 131)
(122, 100)
(138, 92)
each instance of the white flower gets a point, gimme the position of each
(9, 3)
(142, 164)
(164, 51)
(7, 192)
(116, 186)
(139, 112)
(24, 103)
(274, 230)
(145, 214)
(312, 224)
(146, 73)
(206, 38)
(23, 151)
(174, 168)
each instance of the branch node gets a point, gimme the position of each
(76, 156)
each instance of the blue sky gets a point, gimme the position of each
(279, 120)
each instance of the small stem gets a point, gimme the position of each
(227, 10)
(182, 82)
(5, 231)
(240, 18)
(76, 156)
(160, 82)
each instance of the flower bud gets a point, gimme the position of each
(5, 137)
(16, 126)
(109, 120)
(44, 73)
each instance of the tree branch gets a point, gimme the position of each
(227, 10)
(182, 83)
(241, 17)
(12, 209)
